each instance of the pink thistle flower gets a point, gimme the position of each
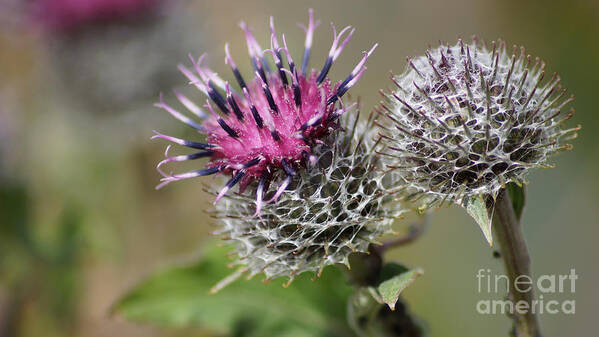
(272, 123)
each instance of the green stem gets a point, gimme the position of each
(414, 232)
(510, 239)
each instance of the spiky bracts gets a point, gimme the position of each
(467, 119)
(272, 124)
(340, 205)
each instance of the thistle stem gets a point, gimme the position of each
(517, 262)
(414, 232)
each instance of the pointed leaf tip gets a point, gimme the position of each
(391, 288)
(477, 208)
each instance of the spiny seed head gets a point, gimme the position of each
(340, 205)
(467, 119)
(272, 123)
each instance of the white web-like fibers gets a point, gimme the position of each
(465, 120)
(339, 206)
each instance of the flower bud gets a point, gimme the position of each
(467, 119)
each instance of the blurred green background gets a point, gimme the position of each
(80, 221)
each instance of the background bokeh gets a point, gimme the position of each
(80, 221)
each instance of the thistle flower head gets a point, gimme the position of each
(271, 124)
(340, 205)
(467, 119)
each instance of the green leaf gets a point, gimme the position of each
(368, 317)
(395, 279)
(180, 297)
(518, 198)
(478, 209)
(377, 310)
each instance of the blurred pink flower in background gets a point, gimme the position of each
(69, 14)
(94, 47)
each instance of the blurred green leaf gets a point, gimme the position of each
(478, 209)
(14, 213)
(64, 266)
(180, 297)
(395, 279)
(518, 198)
